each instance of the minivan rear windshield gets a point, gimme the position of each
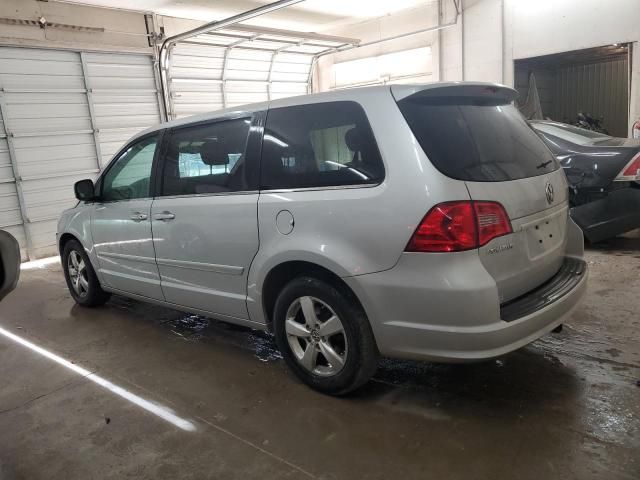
(476, 139)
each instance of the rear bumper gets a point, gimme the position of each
(561, 284)
(617, 213)
(453, 316)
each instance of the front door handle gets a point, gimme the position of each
(138, 216)
(164, 216)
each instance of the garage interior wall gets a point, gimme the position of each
(491, 34)
(408, 59)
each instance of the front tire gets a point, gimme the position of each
(324, 336)
(81, 278)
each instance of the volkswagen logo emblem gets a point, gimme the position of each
(548, 191)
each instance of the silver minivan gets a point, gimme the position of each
(415, 221)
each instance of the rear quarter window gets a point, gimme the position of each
(476, 139)
(319, 145)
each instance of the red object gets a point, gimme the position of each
(492, 220)
(631, 170)
(460, 225)
(635, 130)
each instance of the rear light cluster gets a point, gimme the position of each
(631, 171)
(461, 225)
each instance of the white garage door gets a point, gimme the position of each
(240, 64)
(10, 216)
(65, 113)
(204, 78)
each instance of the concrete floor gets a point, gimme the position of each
(565, 407)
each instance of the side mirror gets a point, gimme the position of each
(9, 263)
(84, 190)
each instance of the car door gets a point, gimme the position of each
(204, 218)
(121, 221)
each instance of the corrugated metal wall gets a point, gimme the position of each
(200, 79)
(124, 97)
(65, 113)
(600, 89)
(10, 214)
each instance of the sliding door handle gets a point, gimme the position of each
(164, 216)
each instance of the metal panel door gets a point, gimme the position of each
(47, 119)
(123, 97)
(204, 77)
(65, 113)
(10, 212)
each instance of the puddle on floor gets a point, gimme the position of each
(197, 327)
(264, 345)
(190, 327)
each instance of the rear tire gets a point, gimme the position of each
(81, 278)
(324, 336)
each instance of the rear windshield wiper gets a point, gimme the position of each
(544, 164)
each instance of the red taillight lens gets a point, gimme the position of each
(631, 171)
(492, 221)
(457, 226)
(448, 227)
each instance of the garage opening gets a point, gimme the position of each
(593, 81)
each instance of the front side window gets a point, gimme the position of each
(206, 159)
(129, 177)
(319, 145)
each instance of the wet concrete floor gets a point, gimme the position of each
(567, 406)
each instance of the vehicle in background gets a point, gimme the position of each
(9, 263)
(417, 221)
(603, 174)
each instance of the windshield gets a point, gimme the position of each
(570, 133)
(476, 139)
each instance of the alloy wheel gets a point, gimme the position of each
(316, 336)
(78, 273)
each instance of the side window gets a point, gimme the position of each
(206, 159)
(130, 175)
(319, 145)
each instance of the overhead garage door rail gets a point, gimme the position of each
(224, 64)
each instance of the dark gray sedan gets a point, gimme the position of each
(603, 174)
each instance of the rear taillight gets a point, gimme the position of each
(448, 227)
(492, 221)
(457, 226)
(631, 171)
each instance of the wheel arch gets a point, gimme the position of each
(66, 238)
(72, 234)
(282, 273)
